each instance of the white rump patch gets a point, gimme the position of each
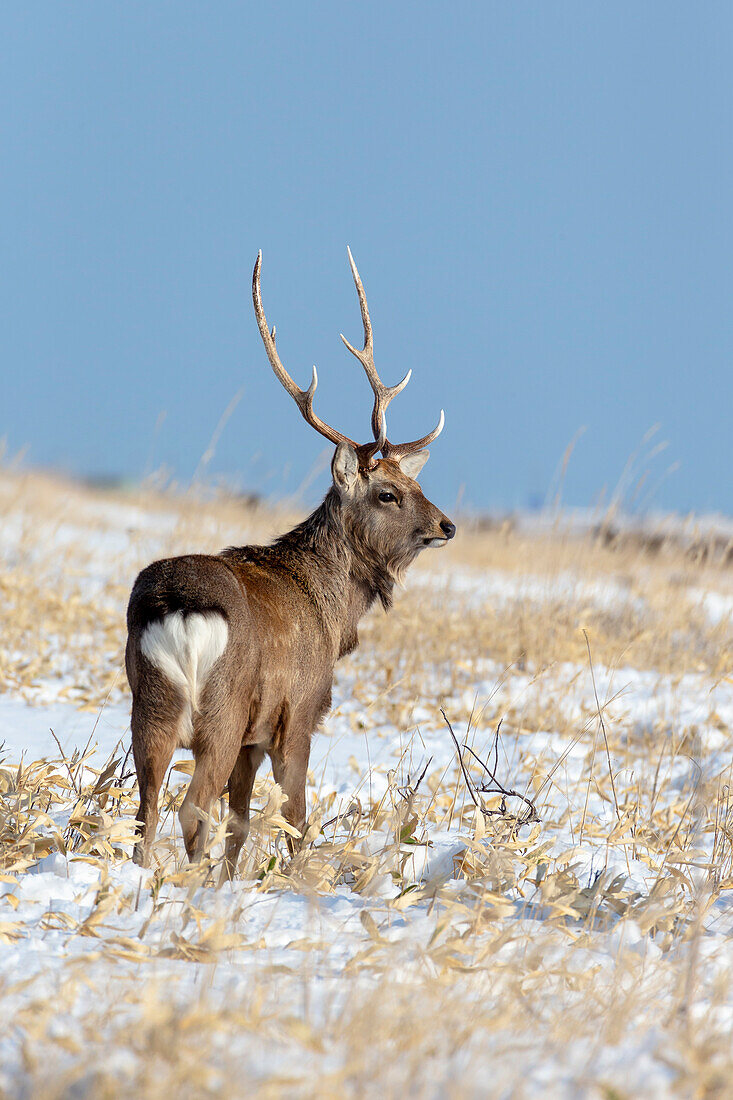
(185, 649)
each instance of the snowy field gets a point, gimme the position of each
(567, 931)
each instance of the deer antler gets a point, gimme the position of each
(383, 394)
(397, 451)
(302, 398)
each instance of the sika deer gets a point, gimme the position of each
(232, 655)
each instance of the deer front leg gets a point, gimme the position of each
(290, 769)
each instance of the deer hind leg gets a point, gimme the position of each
(153, 744)
(241, 782)
(168, 668)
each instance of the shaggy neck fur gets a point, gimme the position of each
(330, 560)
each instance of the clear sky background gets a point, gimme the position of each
(538, 196)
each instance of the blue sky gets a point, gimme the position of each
(538, 197)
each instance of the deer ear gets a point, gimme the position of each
(413, 464)
(345, 467)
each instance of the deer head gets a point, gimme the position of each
(384, 510)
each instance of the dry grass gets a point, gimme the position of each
(576, 955)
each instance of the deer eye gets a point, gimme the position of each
(386, 497)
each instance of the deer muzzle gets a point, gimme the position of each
(447, 531)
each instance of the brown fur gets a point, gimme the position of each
(292, 610)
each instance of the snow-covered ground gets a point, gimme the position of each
(417, 944)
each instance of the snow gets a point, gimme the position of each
(76, 921)
(25, 730)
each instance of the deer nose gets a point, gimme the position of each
(448, 527)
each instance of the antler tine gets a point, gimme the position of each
(382, 394)
(399, 450)
(303, 398)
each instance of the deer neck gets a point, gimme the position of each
(344, 577)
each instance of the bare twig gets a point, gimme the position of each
(408, 791)
(494, 786)
(603, 725)
(354, 809)
(466, 776)
(499, 788)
